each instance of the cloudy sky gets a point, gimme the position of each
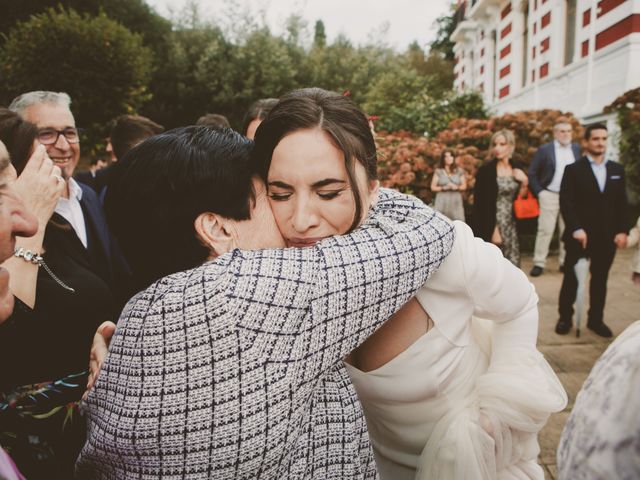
(397, 22)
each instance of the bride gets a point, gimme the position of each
(452, 386)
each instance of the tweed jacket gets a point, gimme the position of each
(234, 369)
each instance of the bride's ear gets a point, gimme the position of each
(213, 232)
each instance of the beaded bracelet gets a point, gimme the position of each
(28, 255)
(36, 259)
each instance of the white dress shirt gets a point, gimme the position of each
(564, 157)
(600, 171)
(71, 210)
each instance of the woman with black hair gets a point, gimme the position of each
(448, 182)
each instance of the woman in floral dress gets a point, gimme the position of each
(497, 185)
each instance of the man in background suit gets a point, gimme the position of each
(127, 131)
(593, 203)
(79, 206)
(545, 178)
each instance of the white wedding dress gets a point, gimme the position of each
(424, 407)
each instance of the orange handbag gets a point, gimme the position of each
(526, 206)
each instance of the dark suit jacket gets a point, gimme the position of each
(94, 215)
(601, 214)
(485, 197)
(118, 272)
(97, 182)
(543, 166)
(55, 336)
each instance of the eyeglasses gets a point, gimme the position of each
(49, 136)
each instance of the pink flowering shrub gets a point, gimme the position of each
(407, 161)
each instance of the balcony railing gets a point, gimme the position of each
(482, 8)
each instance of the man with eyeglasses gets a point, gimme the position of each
(79, 207)
(49, 111)
(79, 280)
(545, 177)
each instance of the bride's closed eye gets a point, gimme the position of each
(279, 197)
(329, 194)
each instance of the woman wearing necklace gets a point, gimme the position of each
(497, 184)
(448, 182)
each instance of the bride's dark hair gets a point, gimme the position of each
(331, 112)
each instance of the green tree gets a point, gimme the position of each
(397, 97)
(445, 25)
(263, 68)
(438, 112)
(433, 65)
(319, 35)
(213, 75)
(627, 109)
(340, 66)
(136, 15)
(404, 101)
(101, 64)
(197, 78)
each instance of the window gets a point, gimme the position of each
(525, 43)
(570, 32)
(494, 63)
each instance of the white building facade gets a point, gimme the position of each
(571, 55)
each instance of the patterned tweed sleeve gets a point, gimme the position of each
(327, 300)
(233, 369)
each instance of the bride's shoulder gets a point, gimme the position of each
(469, 253)
(452, 268)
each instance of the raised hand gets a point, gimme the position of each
(40, 185)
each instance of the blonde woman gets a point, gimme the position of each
(497, 184)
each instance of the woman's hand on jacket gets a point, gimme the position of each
(99, 349)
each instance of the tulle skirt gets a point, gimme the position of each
(512, 400)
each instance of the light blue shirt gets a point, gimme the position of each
(600, 172)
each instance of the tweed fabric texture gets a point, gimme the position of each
(234, 369)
